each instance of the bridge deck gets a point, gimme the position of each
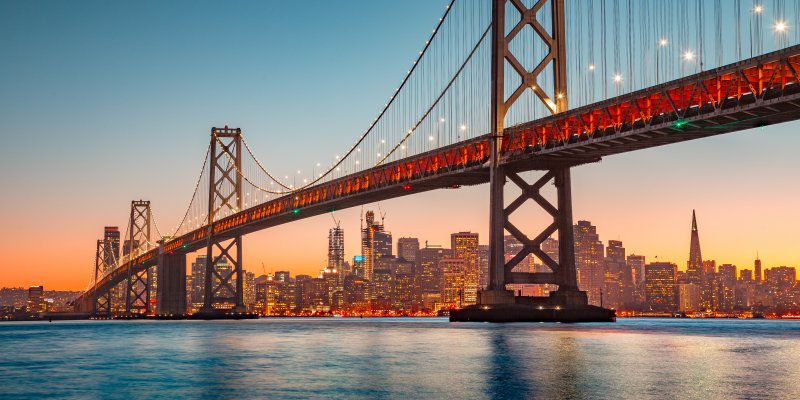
(757, 92)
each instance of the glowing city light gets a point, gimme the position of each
(780, 26)
(758, 9)
(591, 67)
(662, 42)
(617, 78)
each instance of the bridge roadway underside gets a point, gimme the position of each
(775, 103)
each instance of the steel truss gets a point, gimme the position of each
(223, 285)
(563, 273)
(102, 304)
(137, 295)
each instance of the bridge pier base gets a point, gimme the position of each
(568, 303)
(171, 288)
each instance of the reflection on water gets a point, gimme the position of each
(401, 358)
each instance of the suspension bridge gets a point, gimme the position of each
(500, 87)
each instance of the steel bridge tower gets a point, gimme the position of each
(221, 293)
(137, 295)
(101, 306)
(497, 303)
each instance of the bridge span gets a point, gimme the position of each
(755, 92)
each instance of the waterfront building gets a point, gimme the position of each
(454, 282)
(689, 297)
(660, 279)
(465, 246)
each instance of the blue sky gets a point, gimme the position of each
(105, 102)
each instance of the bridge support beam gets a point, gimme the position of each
(497, 304)
(568, 303)
(101, 305)
(224, 293)
(137, 289)
(171, 288)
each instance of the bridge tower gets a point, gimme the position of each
(137, 295)
(223, 278)
(101, 306)
(497, 303)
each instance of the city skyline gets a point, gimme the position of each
(741, 192)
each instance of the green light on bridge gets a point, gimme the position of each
(680, 124)
(183, 247)
(296, 211)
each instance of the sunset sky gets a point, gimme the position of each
(103, 103)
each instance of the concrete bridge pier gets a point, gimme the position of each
(171, 288)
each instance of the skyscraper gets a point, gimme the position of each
(373, 243)
(454, 285)
(757, 267)
(408, 248)
(465, 246)
(660, 286)
(617, 285)
(336, 249)
(589, 260)
(429, 273)
(694, 267)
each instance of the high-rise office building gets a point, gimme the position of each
(694, 267)
(636, 265)
(726, 287)
(408, 249)
(249, 288)
(429, 274)
(589, 260)
(660, 278)
(465, 246)
(198, 280)
(757, 269)
(454, 284)
(336, 249)
(689, 297)
(746, 275)
(382, 242)
(708, 291)
(618, 284)
(483, 266)
(374, 243)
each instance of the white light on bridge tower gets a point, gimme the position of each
(780, 26)
(617, 78)
(758, 9)
(662, 42)
(688, 55)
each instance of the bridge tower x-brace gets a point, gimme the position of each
(223, 275)
(496, 303)
(103, 262)
(137, 295)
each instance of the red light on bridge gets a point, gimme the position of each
(406, 187)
